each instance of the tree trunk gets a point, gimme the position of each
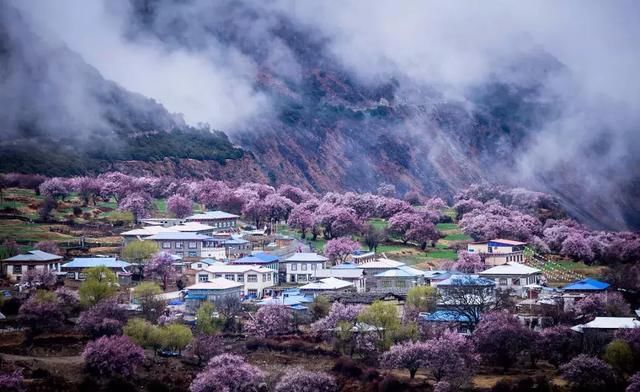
(412, 373)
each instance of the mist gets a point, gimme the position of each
(581, 55)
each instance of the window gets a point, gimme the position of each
(17, 269)
(502, 281)
(203, 278)
(229, 276)
(240, 278)
(193, 254)
(515, 281)
(218, 275)
(82, 276)
(304, 267)
(193, 245)
(179, 253)
(166, 245)
(386, 283)
(302, 278)
(179, 245)
(31, 267)
(294, 267)
(314, 267)
(269, 277)
(71, 275)
(199, 265)
(252, 278)
(252, 292)
(401, 284)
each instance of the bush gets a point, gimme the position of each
(347, 367)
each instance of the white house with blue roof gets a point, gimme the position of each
(14, 267)
(211, 291)
(75, 268)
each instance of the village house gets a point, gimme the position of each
(513, 276)
(254, 278)
(372, 268)
(498, 251)
(303, 267)
(360, 257)
(433, 277)
(219, 220)
(211, 291)
(262, 259)
(14, 267)
(397, 280)
(75, 269)
(601, 330)
(143, 233)
(346, 271)
(327, 285)
(237, 247)
(181, 244)
(204, 263)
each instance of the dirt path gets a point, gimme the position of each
(71, 360)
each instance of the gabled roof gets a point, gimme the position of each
(235, 241)
(437, 274)
(510, 268)
(346, 265)
(402, 271)
(253, 260)
(587, 284)
(306, 257)
(381, 263)
(179, 237)
(266, 257)
(89, 262)
(192, 227)
(608, 323)
(508, 242)
(215, 284)
(327, 284)
(220, 268)
(466, 280)
(290, 300)
(342, 273)
(35, 255)
(212, 215)
(209, 262)
(148, 231)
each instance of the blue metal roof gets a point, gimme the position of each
(445, 316)
(251, 260)
(587, 284)
(266, 257)
(88, 262)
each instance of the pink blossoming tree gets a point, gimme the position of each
(300, 380)
(228, 372)
(179, 206)
(338, 249)
(112, 355)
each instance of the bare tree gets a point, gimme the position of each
(469, 295)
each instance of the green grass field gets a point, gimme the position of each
(446, 226)
(457, 237)
(378, 223)
(30, 232)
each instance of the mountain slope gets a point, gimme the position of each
(61, 117)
